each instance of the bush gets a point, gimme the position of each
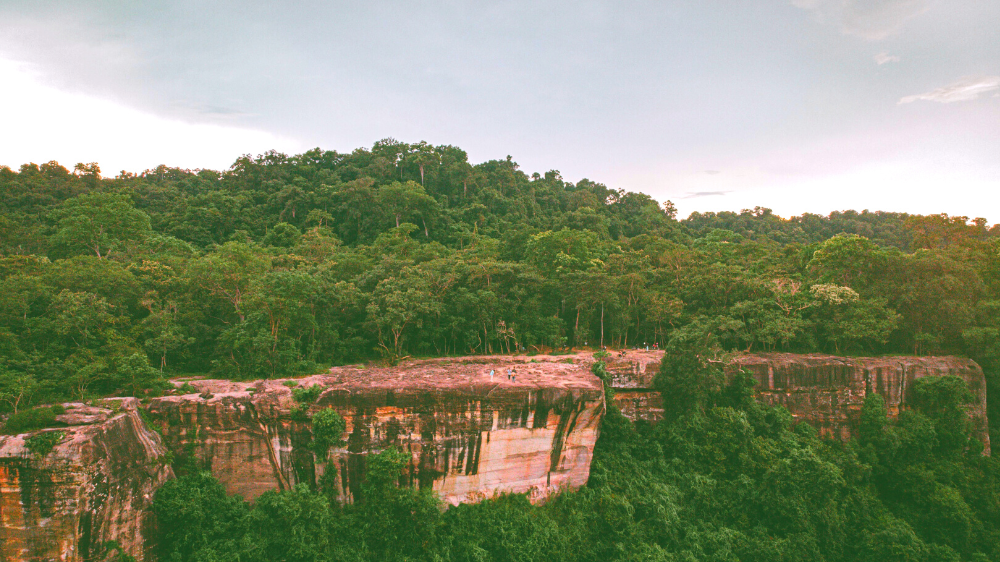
(42, 444)
(30, 420)
(307, 395)
(327, 426)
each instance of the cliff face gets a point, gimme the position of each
(632, 380)
(96, 485)
(824, 390)
(469, 435)
(829, 391)
(471, 431)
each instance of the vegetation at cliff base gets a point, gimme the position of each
(724, 480)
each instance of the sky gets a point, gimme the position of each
(796, 105)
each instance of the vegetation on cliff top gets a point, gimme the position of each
(284, 264)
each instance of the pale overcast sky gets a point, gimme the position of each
(800, 105)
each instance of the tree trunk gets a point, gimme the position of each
(602, 326)
(576, 327)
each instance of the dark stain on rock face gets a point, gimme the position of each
(357, 443)
(302, 459)
(541, 413)
(568, 411)
(85, 529)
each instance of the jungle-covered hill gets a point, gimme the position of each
(287, 264)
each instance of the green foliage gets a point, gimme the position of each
(30, 420)
(99, 224)
(42, 443)
(285, 264)
(117, 553)
(327, 428)
(196, 520)
(691, 371)
(282, 265)
(305, 396)
(283, 235)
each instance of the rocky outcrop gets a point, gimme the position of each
(824, 390)
(632, 376)
(94, 486)
(469, 433)
(828, 391)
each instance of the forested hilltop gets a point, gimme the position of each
(283, 265)
(286, 265)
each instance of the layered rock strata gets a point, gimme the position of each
(632, 376)
(96, 485)
(469, 433)
(824, 390)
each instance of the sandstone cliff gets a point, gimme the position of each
(96, 485)
(469, 435)
(825, 390)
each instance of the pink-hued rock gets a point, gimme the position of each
(828, 391)
(469, 436)
(823, 390)
(646, 405)
(634, 369)
(96, 485)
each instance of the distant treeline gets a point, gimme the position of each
(286, 264)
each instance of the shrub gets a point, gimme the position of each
(41, 444)
(327, 426)
(307, 395)
(30, 420)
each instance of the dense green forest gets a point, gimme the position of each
(284, 265)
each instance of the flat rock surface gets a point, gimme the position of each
(469, 374)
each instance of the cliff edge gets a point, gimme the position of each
(95, 485)
(470, 434)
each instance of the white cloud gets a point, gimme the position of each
(869, 19)
(42, 123)
(885, 57)
(968, 88)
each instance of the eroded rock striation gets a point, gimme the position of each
(824, 390)
(469, 434)
(96, 485)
